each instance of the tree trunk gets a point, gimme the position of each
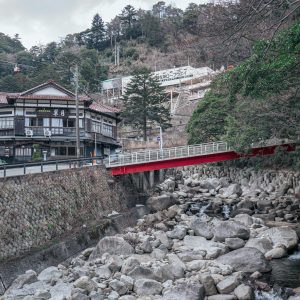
(145, 129)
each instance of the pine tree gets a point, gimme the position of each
(143, 102)
(96, 35)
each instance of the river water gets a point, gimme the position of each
(285, 274)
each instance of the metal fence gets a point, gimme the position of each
(168, 153)
(10, 170)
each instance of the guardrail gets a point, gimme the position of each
(164, 154)
(10, 170)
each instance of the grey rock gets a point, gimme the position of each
(128, 281)
(227, 285)
(185, 291)
(146, 246)
(113, 245)
(85, 283)
(263, 244)
(222, 297)
(79, 296)
(232, 189)
(199, 243)
(140, 272)
(209, 284)
(234, 243)
(246, 260)
(60, 291)
(118, 286)
(163, 238)
(29, 277)
(160, 202)
(114, 263)
(230, 229)
(281, 236)
(145, 287)
(177, 267)
(202, 228)
(129, 264)
(127, 297)
(277, 252)
(244, 292)
(244, 219)
(49, 274)
(179, 232)
(42, 295)
(103, 272)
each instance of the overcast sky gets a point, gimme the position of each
(44, 21)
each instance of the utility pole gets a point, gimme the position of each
(77, 113)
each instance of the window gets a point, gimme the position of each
(71, 151)
(96, 126)
(36, 122)
(71, 122)
(62, 151)
(107, 130)
(23, 152)
(6, 123)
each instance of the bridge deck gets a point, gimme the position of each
(181, 156)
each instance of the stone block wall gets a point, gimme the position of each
(280, 179)
(37, 210)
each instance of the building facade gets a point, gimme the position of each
(44, 119)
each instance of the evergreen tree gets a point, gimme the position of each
(96, 35)
(128, 18)
(143, 102)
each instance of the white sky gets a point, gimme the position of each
(44, 21)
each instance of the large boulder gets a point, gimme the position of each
(230, 229)
(113, 245)
(246, 260)
(227, 285)
(232, 189)
(263, 244)
(281, 236)
(144, 287)
(160, 202)
(244, 292)
(199, 243)
(202, 228)
(49, 274)
(185, 291)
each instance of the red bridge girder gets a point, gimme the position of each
(194, 160)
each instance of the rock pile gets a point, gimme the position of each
(175, 253)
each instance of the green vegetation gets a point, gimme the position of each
(37, 155)
(144, 102)
(256, 101)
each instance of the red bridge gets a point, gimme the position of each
(183, 156)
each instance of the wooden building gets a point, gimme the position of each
(46, 116)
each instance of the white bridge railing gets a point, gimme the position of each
(164, 154)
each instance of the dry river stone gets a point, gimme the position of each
(185, 291)
(147, 287)
(202, 228)
(231, 229)
(112, 245)
(246, 260)
(160, 202)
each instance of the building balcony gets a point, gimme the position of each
(38, 131)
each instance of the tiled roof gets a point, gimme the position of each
(103, 108)
(47, 83)
(48, 97)
(3, 96)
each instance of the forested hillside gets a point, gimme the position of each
(165, 36)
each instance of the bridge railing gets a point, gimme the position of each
(11, 170)
(164, 154)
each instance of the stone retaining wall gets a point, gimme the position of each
(279, 179)
(36, 210)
